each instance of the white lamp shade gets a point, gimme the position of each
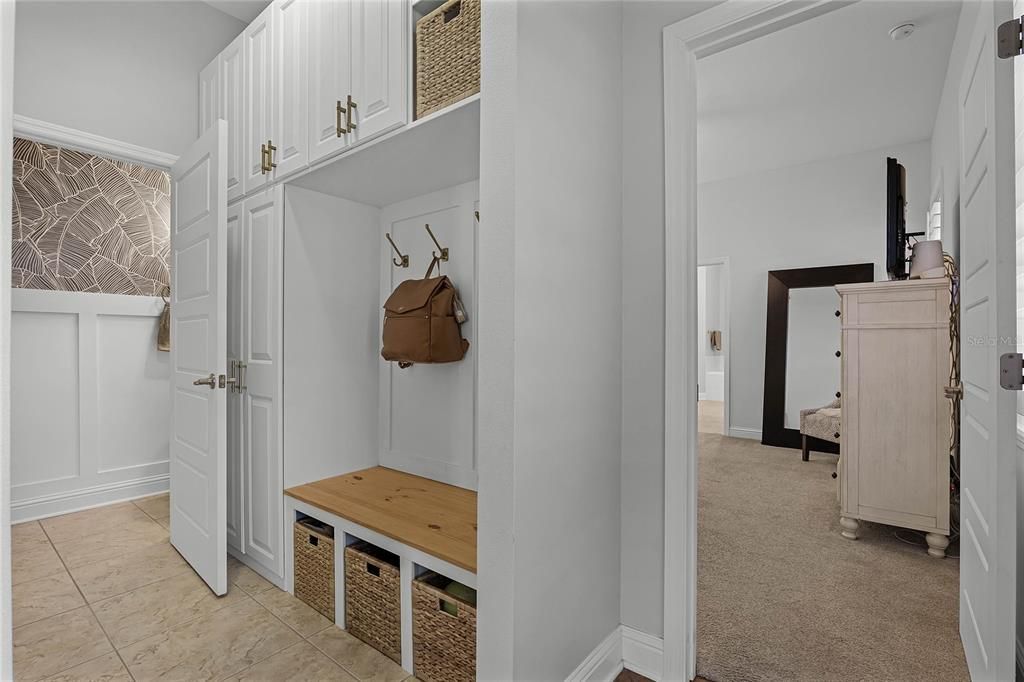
(926, 260)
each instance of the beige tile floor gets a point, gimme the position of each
(102, 595)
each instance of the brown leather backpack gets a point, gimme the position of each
(420, 323)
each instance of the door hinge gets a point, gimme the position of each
(1011, 371)
(1009, 43)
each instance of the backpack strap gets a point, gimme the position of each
(435, 262)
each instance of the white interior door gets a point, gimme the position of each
(198, 352)
(236, 490)
(988, 442)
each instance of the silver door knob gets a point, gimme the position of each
(210, 381)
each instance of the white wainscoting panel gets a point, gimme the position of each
(90, 401)
(427, 412)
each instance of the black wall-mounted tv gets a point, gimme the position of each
(896, 219)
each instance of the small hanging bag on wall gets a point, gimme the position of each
(421, 322)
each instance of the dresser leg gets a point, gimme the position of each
(937, 544)
(850, 527)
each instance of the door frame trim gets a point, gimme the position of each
(726, 25)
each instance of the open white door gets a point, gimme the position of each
(198, 356)
(988, 326)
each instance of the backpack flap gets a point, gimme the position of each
(412, 295)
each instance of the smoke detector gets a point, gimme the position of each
(901, 32)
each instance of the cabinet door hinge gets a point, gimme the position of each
(1009, 43)
(1011, 371)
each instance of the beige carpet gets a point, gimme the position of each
(782, 596)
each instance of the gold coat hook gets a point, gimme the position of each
(442, 249)
(404, 262)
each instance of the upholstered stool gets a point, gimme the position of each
(820, 422)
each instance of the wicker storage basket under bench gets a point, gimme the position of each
(314, 565)
(443, 632)
(373, 598)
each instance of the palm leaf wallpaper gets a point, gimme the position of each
(86, 223)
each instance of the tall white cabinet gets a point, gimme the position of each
(306, 80)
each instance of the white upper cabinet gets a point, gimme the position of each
(330, 77)
(209, 102)
(258, 57)
(232, 106)
(291, 32)
(306, 80)
(379, 67)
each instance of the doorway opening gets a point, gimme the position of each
(713, 349)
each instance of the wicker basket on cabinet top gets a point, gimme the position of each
(443, 632)
(373, 603)
(447, 55)
(314, 565)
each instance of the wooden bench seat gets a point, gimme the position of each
(435, 518)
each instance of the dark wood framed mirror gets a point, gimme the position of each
(778, 347)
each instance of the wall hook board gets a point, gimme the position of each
(403, 260)
(442, 249)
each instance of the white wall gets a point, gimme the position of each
(829, 212)
(710, 317)
(331, 335)
(124, 70)
(90, 411)
(563, 371)
(945, 152)
(643, 308)
(6, 133)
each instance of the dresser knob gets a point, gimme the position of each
(836, 434)
(839, 394)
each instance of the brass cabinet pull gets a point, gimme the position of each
(270, 155)
(240, 384)
(348, 115)
(338, 111)
(263, 159)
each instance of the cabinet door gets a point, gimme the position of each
(209, 101)
(235, 432)
(379, 67)
(290, 85)
(258, 114)
(330, 75)
(232, 106)
(261, 399)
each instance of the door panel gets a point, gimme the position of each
(988, 439)
(330, 75)
(258, 49)
(291, 84)
(198, 347)
(261, 336)
(232, 97)
(235, 489)
(378, 67)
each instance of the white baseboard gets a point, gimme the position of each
(625, 647)
(603, 664)
(87, 498)
(1020, 659)
(737, 432)
(642, 653)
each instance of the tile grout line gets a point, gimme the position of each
(91, 610)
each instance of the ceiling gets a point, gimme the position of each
(243, 10)
(833, 85)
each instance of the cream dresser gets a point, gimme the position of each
(894, 467)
